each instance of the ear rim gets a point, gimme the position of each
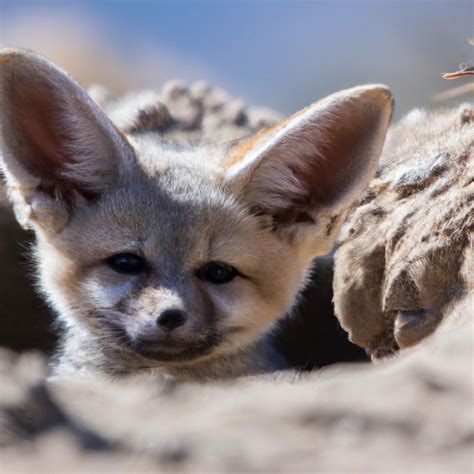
(13, 168)
(256, 151)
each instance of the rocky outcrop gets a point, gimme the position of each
(406, 250)
(197, 112)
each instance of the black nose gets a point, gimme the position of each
(171, 319)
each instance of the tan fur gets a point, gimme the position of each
(162, 190)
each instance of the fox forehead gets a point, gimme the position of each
(157, 156)
(173, 211)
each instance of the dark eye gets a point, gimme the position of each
(127, 263)
(217, 272)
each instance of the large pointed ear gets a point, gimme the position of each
(57, 144)
(304, 173)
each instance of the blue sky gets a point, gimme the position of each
(283, 54)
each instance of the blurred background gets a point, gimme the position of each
(280, 54)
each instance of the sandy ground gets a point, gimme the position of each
(413, 413)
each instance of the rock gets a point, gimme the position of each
(406, 250)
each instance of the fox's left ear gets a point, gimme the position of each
(305, 172)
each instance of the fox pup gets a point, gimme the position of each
(161, 253)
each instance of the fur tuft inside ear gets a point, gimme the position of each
(316, 163)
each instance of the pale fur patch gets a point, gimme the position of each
(108, 296)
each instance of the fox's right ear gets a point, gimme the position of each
(57, 145)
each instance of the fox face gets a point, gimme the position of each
(169, 268)
(169, 254)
